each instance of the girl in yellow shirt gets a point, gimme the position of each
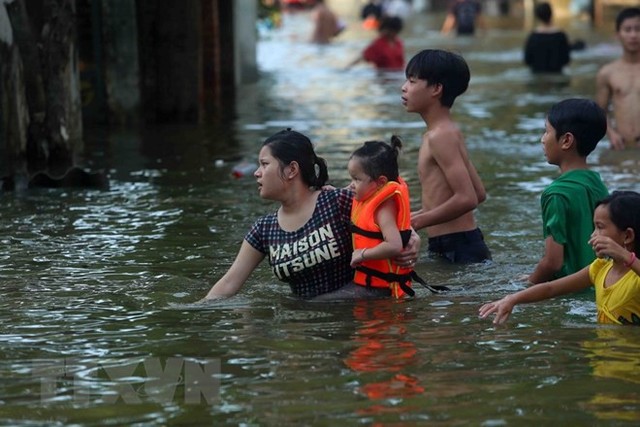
(615, 274)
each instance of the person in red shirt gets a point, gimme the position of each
(386, 52)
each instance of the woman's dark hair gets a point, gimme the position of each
(624, 211)
(290, 146)
(379, 158)
(543, 12)
(583, 118)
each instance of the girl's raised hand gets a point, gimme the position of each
(605, 247)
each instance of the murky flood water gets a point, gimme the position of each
(98, 325)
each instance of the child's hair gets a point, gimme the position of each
(629, 12)
(391, 23)
(624, 212)
(543, 12)
(379, 158)
(290, 146)
(441, 67)
(583, 118)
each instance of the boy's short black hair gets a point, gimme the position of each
(629, 12)
(441, 67)
(543, 12)
(583, 118)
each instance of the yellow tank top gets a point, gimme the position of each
(620, 302)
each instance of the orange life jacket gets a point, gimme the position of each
(382, 273)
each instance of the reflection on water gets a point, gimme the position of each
(613, 356)
(100, 287)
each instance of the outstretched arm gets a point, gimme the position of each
(354, 62)
(246, 261)
(565, 285)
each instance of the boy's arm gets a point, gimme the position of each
(550, 263)
(385, 217)
(478, 186)
(603, 98)
(565, 285)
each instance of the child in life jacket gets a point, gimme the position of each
(380, 218)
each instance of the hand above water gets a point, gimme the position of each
(502, 308)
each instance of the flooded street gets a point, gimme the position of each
(97, 314)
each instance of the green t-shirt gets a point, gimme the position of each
(567, 215)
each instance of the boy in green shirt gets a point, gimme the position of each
(573, 128)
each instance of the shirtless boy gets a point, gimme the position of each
(451, 187)
(618, 84)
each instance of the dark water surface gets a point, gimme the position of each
(98, 325)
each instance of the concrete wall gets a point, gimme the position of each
(121, 64)
(245, 15)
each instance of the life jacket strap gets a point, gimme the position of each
(405, 235)
(401, 279)
(436, 289)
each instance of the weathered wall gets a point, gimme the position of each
(121, 61)
(169, 43)
(40, 94)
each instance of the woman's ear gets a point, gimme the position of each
(293, 170)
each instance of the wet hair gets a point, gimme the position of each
(583, 118)
(543, 12)
(378, 158)
(629, 12)
(624, 211)
(391, 23)
(290, 146)
(441, 67)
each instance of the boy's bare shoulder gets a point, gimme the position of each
(445, 133)
(607, 69)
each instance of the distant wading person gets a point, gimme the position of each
(618, 84)
(547, 48)
(465, 16)
(326, 24)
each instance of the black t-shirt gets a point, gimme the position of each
(547, 52)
